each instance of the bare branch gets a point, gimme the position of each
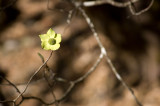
(111, 2)
(91, 69)
(36, 98)
(142, 11)
(22, 84)
(33, 76)
(11, 84)
(69, 16)
(73, 83)
(118, 4)
(121, 80)
(51, 86)
(6, 101)
(104, 52)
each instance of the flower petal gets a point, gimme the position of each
(44, 37)
(58, 38)
(54, 47)
(45, 45)
(51, 33)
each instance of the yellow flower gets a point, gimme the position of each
(51, 40)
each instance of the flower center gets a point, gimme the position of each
(52, 41)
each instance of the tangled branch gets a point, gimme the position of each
(102, 55)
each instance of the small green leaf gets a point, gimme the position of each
(41, 56)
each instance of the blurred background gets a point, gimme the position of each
(132, 42)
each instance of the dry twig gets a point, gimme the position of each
(103, 54)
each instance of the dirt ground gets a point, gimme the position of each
(132, 42)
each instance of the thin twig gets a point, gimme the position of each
(69, 16)
(50, 86)
(10, 83)
(118, 4)
(111, 2)
(103, 51)
(22, 84)
(73, 83)
(33, 76)
(121, 80)
(142, 11)
(92, 69)
(36, 98)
